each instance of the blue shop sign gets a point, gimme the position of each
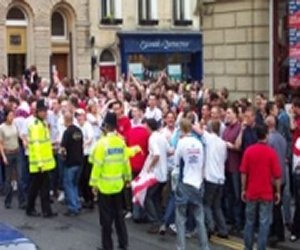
(160, 43)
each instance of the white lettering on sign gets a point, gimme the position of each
(163, 44)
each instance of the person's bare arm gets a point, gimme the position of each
(244, 181)
(154, 161)
(277, 183)
(2, 153)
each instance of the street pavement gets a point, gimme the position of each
(83, 233)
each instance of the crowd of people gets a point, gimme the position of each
(207, 165)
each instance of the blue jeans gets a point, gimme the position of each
(286, 199)
(56, 175)
(169, 215)
(13, 166)
(185, 196)
(265, 209)
(1, 178)
(296, 219)
(24, 164)
(71, 188)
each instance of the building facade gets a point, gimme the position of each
(45, 33)
(144, 37)
(246, 46)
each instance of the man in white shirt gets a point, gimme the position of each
(156, 162)
(152, 111)
(214, 174)
(88, 142)
(189, 158)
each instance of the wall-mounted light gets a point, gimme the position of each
(206, 7)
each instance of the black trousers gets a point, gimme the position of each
(40, 184)
(153, 203)
(111, 211)
(277, 227)
(86, 190)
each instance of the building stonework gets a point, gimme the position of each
(236, 46)
(106, 35)
(40, 44)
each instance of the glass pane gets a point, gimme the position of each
(106, 56)
(15, 14)
(58, 25)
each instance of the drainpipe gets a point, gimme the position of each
(271, 46)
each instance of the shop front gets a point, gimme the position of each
(176, 53)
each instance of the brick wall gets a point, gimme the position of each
(236, 47)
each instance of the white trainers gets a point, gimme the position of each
(128, 215)
(61, 197)
(173, 228)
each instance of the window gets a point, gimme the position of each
(148, 12)
(58, 25)
(15, 14)
(107, 56)
(182, 12)
(111, 12)
(16, 17)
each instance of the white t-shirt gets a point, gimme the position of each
(153, 114)
(96, 124)
(88, 136)
(29, 120)
(158, 145)
(190, 150)
(167, 133)
(216, 155)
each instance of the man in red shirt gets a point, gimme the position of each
(296, 168)
(260, 169)
(124, 124)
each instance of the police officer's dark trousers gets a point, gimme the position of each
(40, 183)
(111, 211)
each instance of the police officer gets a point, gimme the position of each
(41, 161)
(110, 173)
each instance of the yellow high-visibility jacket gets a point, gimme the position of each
(40, 152)
(111, 166)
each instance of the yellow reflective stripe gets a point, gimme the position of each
(93, 180)
(42, 161)
(111, 178)
(39, 141)
(114, 161)
(97, 163)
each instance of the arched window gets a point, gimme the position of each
(107, 56)
(15, 14)
(58, 25)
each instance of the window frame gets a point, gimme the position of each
(65, 36)
(148, 20)
(181, 21)
(108, 19)
(16, 22)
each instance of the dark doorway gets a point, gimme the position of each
(16, 64)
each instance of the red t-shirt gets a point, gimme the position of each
(124, 126)
(261, 165)
(138, 136)
(296, 135)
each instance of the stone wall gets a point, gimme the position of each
(236, 46)
(39, 33)
(106, 37)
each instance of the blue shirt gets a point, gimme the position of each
(249, 137)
